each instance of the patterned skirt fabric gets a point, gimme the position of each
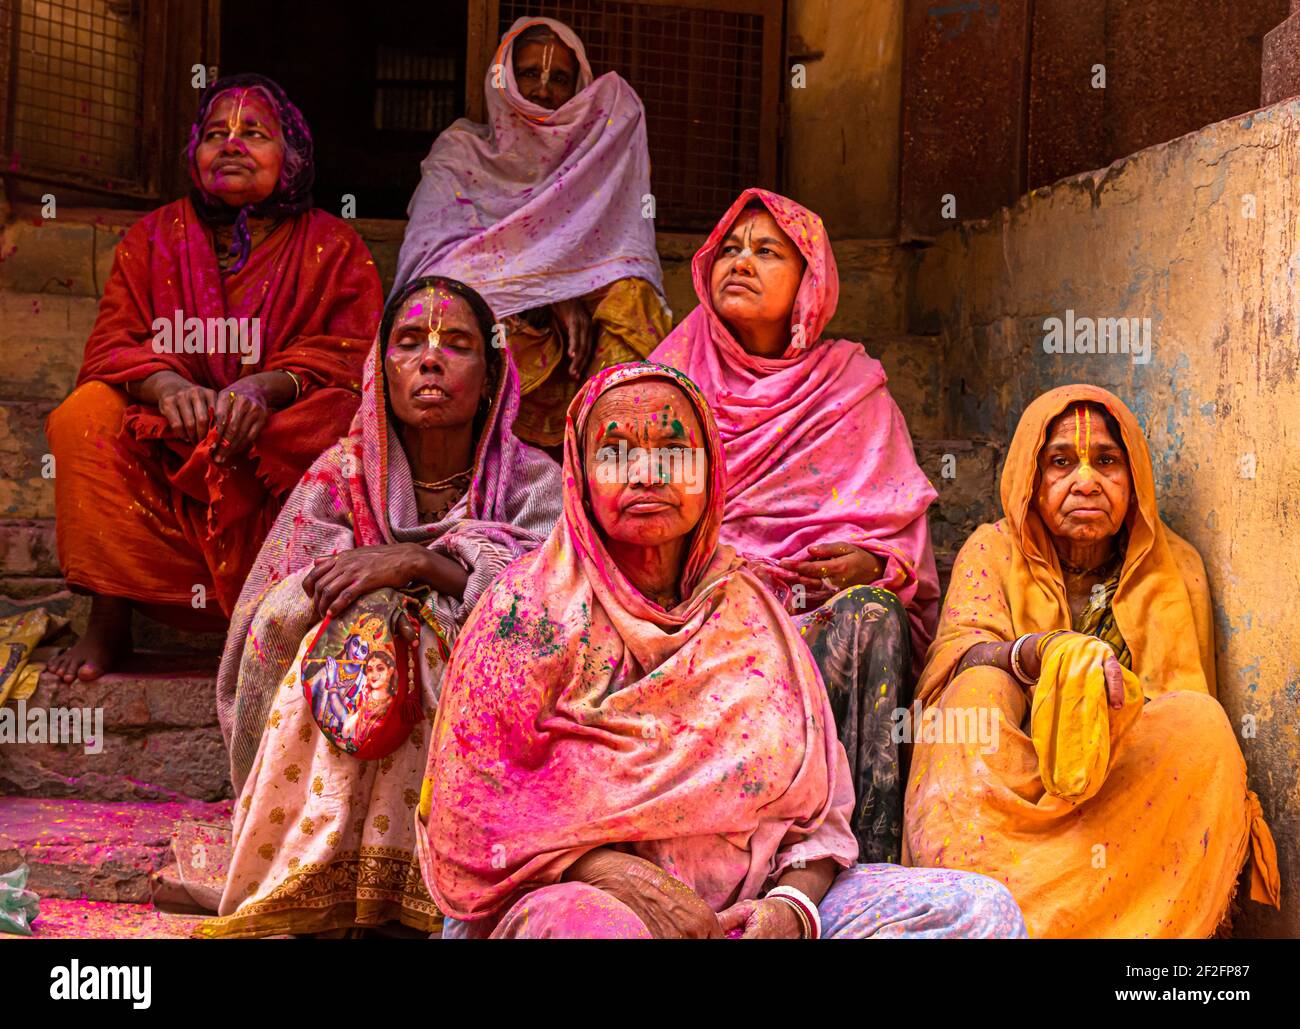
(860, 641)
(322, 840)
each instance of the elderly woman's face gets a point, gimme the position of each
(241, 148)
(756, 272)
(436, 364)
(646, 464)
(546, 72)
(1084, 482)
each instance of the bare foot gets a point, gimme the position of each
(106, 642)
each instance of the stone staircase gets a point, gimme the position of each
(96, 829)
(95, 824)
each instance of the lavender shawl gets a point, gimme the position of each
(537, 206)
(359, 493)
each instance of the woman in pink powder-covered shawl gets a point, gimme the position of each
(824, 495)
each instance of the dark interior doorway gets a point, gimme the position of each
(376, 82)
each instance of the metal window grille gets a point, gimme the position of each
(415, 91)
(77, 85)
(709, 78)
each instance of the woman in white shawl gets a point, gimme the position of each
(546, 211)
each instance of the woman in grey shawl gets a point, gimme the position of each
(430, 488)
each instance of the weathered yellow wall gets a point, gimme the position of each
(1200, 235)
(842, 133)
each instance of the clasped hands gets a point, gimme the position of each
(830, 568)
(235, 415)
(670, 909)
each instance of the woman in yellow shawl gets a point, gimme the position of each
(1105, 787)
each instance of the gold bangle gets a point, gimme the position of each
(297, 383)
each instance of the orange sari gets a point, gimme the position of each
(1148, 819)
(143, 514)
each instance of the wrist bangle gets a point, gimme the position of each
(1047, 636)
(804, 907)
(805, 930)
(1016, 670)
(297, 383)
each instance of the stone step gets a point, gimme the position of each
(160, 736)
(26, 480)
(875, 287)
(42, 338)
(27, 548)
(104, 920)
(84, 850)
(69, 255)
(29, 577)
(19, 594)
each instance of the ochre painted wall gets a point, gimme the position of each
(1199, 235)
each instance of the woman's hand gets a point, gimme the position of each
(186, 406)
(669, 908)
(338, 581)
(836, 566)
(762, 920)
(241, 413)
(578, 336)
(334, 583)
(1111, 669)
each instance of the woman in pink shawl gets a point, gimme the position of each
(545, 210)
(633, 741)
(429, 489)
(824, 494)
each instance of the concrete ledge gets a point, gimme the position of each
(160, 741)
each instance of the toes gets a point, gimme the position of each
(88, 671)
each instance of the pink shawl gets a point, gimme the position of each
(817, 450)
(537, 206)
(577, 714)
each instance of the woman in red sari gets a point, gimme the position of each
(226, 356)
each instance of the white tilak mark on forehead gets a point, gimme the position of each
(233, 123)
(435, 331)
(547, 54)
(748, 241)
